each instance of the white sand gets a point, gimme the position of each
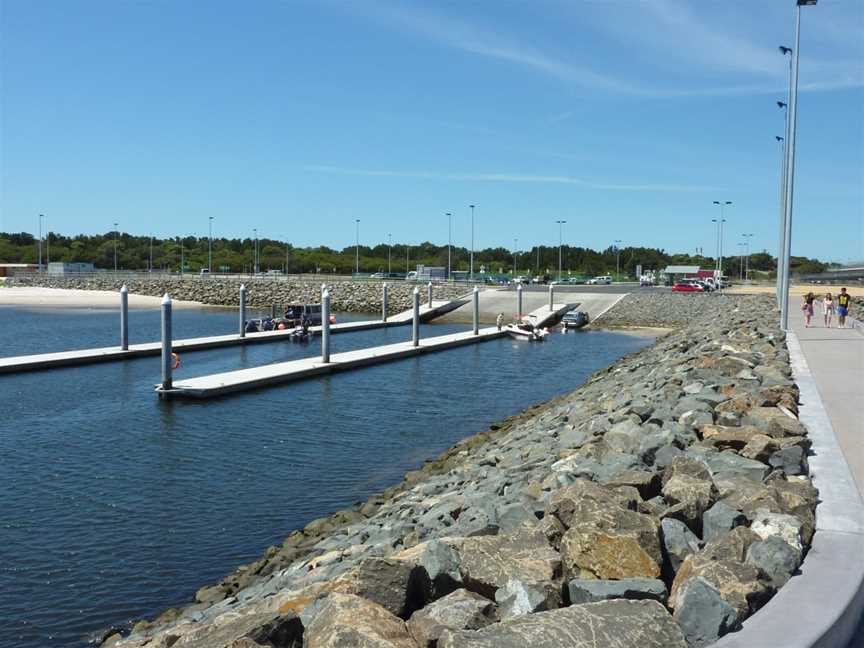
(56, 297)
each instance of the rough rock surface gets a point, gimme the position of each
(664, 466)
(615, 624)
(459, 610)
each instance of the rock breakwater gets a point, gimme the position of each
(347, 296)
(659, 504)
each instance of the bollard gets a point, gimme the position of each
(551, 297)
(429, 289)
(242, 310)
(415, 324)
(519, 301)
(124, 318)
(384, 303)
(476, 298)
(166, 342)
(272, 311)
(325, 326)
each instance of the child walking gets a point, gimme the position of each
(828, 309)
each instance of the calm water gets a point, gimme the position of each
(115, 505)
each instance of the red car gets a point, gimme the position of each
(687, 286)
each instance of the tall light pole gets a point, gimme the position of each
(287, 252)
(740, 245)
(47, 244)
(150, 266)
(407, 255)
(722, 204)
(357, 246)
(781, 141)
(115, 247)
(255, 252)
(747, 238)
(471, 270)
(790, 163)
(210, 245)
(449, 240)
(515, 247)
(781, 248)
(537, 269)
(389, 248)
(617, 260)
(560, 243)
(41, 216)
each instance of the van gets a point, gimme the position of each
(601, 280)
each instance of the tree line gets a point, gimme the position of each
(143, 253)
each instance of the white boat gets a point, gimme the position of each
(526, 331)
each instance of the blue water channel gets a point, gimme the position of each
(116, 505)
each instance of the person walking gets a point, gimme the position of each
(807, 307)
(499, 321)
(828, 309)
(843, 301)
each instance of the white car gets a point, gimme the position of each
(602, 280)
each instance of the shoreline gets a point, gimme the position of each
(37, 297)
(324, 555)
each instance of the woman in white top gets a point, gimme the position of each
(828, 309)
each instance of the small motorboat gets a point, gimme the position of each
(526, 331)
(574, 319)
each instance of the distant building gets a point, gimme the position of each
(12, 269)
(673, 273)
(62, 268)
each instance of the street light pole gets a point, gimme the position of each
(47, 244)
(389, 248)
(255, 252)
(449, 240)
(357, 247)
(41, 216)
(722, 220)
(560, 242)
(781, 250)
(115, 247)
(471, 271)
(747, 238)
(781, 141)
(790, 164)
(617, 260)
(210, 245)
(150, 267)
(515, 247)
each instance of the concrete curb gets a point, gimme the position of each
(820, 607)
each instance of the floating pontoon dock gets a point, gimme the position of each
(108, 354)
(283, 372)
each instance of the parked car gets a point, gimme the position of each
(601, 280)
(688, 285)
(521, 279)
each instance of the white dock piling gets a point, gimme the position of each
(242, 310)
(551, 297)
(519, 301)
(415, 322)
(475, 296)
(124, 318)
(429, 297)
(384, 302)
(325, 326)
(167, 360)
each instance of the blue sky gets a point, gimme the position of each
(626, 118)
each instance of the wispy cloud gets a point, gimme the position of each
(674, 28)
(508, 178)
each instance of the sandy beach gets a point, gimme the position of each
(60, 298)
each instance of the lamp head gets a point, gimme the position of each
(785, 50)
(806, 3)
(781, 104)
(778, 138)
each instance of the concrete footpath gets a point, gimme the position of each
(836, 360)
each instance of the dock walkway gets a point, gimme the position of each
(114, 353)
(293, 370)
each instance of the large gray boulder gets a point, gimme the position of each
(617, 623)
(339, 620)
(520, 597)
(459, 610)
(775, 558)
(702, 613)
(719, 519)
(678, 541)
(488, 562)
(590, 590)
(395, 585)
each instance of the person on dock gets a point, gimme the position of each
(843, 301)
(828, 309)
(499, 321)
(807, 307)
